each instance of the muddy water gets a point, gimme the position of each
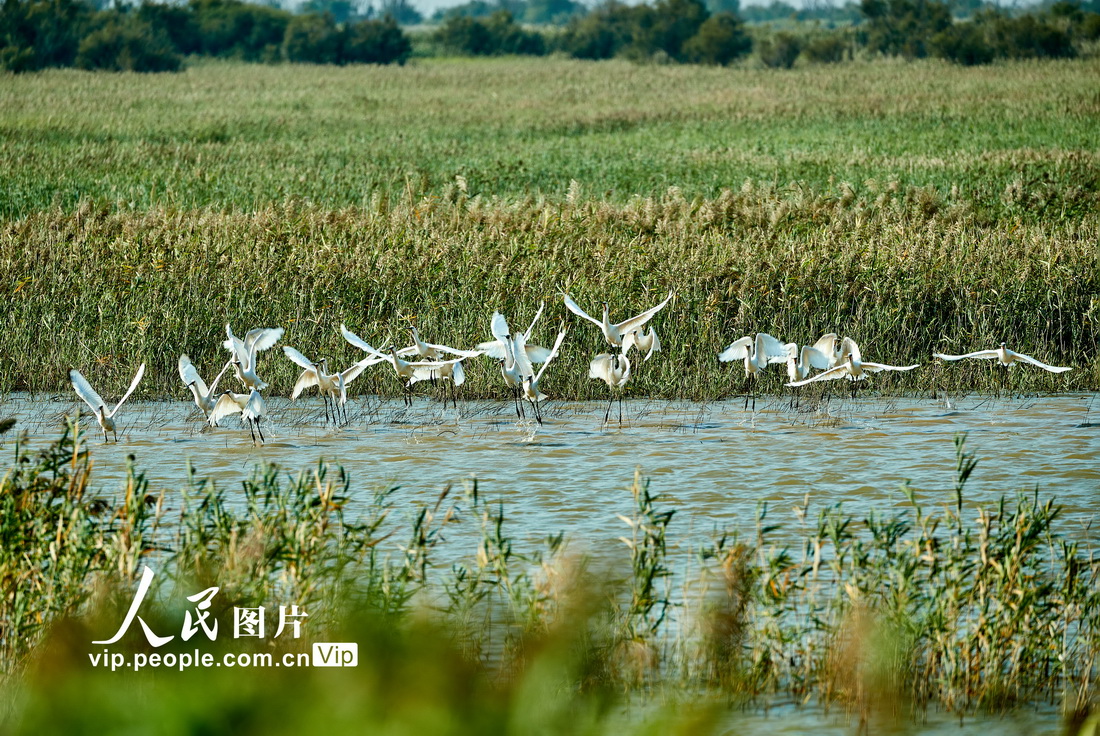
(713, 461)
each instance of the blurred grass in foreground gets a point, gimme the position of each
(960, 608)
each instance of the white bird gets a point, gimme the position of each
(530, 387)
(646, 342)
(106, 419)
(250, 406)
(331, 385)
(204, 397)
(516, 357)
(244, 353)
(799, 363)
(412, 371)
(1006, 357)
(615, 333)
(852, 367)
(757, 353)
(831, 346)
(500, 349)
(614, 370)
(431, 351)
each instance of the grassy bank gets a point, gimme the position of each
(1014, 140)
(961, 608)
(904, 271)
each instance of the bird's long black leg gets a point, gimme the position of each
(620, 410)
(607, 414)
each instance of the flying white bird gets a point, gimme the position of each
(244, 353)
(205, 398)
(757, 353)
(531, 390)
(1006, 357)
(615, 333)
(831, 346)
(333, 386)
(646, 342)
(106, 419)
(614, 370)
(852, 367)
(431, 351)
(517, 359)
(250, 406)
(413, 371)
(501, 349)
(800, 363)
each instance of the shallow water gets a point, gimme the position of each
(713, 461)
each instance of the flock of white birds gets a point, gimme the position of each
(834, 356)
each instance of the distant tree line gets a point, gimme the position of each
(688, 31)
(151, 37)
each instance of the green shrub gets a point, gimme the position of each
(314, 39)
(128, 44)
(495, 35)
(376, 42)
(720, 40)
(962, 43)
(828, 49)
(41, 33)
(780, 51)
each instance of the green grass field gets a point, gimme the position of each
(915, 207)
(232, 136)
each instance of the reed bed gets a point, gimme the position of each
(960, 608)
(905, 271)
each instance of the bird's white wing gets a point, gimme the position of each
(878, 367)
(133, 385)
(535, 353)
(737, 350)
(630, 341)
(235, 346)
(848, 347)
(523, 360)
(812, 356)
(455, 351)
(553, 352)
(262, 338)
(634, 323)
(494, 349)
(655, 346)
(352, 373)
(458, 374)
(425, 372)
(255, 407)
(979, 354)
(833, 373)
(771, 348)
(600, 367)
(214, 384)
(300, 359)
(826, 344)
(624, 370)
(531, 327)
(1044, 366)
(572, 307)
(189, 375)
(308, 379)
(225, 406)
(499, 327)
(85, 391)
(360, 343)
